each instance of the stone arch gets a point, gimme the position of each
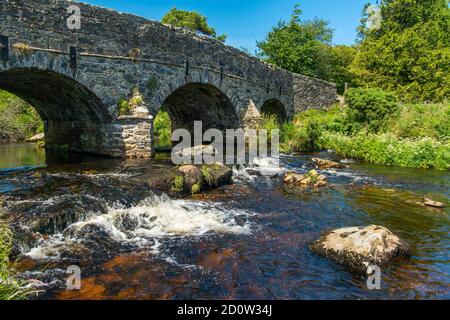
(275, 107)
(74, 115)
(200, 101)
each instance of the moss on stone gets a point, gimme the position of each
(207, 174)
(134, 53)
(21, 48)
(177, 184)
(196, 188)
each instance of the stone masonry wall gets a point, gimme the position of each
(168, 59)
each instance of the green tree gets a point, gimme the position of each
(341, 58)
(409, 53)
(299, 46)
(193, 21)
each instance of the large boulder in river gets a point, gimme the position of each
(357, 248)
(187, 179)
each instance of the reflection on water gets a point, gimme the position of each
(245, 241)
(20, 155)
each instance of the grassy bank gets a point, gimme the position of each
(10, 288)
(18, 120)
(414, 136)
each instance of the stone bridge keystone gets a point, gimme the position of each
(99, 87)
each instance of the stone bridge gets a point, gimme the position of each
(99, 88)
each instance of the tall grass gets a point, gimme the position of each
(388, 149)
(10, 288)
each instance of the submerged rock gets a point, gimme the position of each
(432, 203)
(92, 234)
(31, 221)
(323, 164)
(359, 247)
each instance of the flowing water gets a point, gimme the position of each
(248, 240)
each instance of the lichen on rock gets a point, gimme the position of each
(357, 248)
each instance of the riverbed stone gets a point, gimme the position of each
(37, 137)
(192, 176)
(434, 204)
(324, 164)
(357, 248)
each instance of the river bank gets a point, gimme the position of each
(416, 136)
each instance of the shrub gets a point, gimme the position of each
(313, 134)
(370, 107)
(303, 137)
(163, 130)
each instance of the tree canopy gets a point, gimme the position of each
(298, 46)
(410, 51)
(193, 21)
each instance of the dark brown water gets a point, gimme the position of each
(245, 241)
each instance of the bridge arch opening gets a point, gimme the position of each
(73, 115)
(274, 107)
(200, 102)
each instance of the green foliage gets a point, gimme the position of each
(163, 130)
(370, 107)
(303, 135)
(193, 21)
(10, 288)
(421, 121)
(299, 46)
(417, 136)
(124, 107)
(410, 53)
(387, 149)
(341, 58)
(313, 134)
(18, 120)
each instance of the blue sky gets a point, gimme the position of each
(246, 21)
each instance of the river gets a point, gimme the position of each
(248, 240)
